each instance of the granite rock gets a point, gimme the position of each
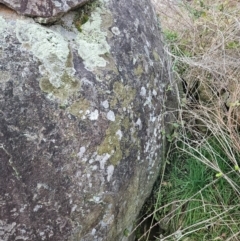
(45, 11)
(81, 121)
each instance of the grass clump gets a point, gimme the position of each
(199, 198)
(84, 12)
(199, 194)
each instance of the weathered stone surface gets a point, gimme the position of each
(47, 10)
(80, 122)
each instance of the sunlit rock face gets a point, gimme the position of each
(81, 121)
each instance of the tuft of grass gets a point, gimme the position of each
(199, 194)
(83, 13)
(199, 197)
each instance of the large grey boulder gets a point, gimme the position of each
(81, 117)
(45, 10)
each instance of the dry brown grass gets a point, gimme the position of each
(206, 54)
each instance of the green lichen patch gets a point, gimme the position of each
(69, 85)
(151, 82)
(111, 143)
(52, 50)
(155, 56)
(63, 86)
(139, 70)
(124, 95)
(126, 123)
(113, 102)
(80, 108)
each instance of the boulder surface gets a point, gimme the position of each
(46, 10)
(81, 121)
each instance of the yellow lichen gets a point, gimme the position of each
(156, 56)
(79, 108)
(69, 85)
(126, 123)
(111, 143)
(123, 94)
(139, 70)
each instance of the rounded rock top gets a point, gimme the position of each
(45, 10)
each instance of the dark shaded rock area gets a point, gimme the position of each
(81, 121)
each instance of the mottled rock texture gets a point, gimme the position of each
(81, 117)
(46, 10)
